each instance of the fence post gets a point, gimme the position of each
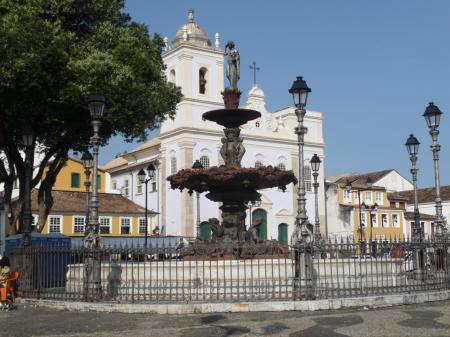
(303, 264)
(92, 275)
(447, 261)
(26, 271)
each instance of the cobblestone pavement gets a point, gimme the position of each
(413, 320)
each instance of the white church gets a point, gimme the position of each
(197, 66)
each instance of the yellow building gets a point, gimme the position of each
(72, 177)
(118, 216)
(368, 210)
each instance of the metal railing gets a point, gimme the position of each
(354, 270)
(217, 272)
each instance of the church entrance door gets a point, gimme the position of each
(283, 234)
(262, 232)
(205, 230)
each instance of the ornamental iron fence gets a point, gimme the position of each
(207, 272)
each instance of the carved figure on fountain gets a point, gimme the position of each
(252, 233)
(232, 149)
(242, 230)
(216, 229)
(233, 218)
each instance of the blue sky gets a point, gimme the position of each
(373, 66)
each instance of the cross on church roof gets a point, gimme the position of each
(254, 68)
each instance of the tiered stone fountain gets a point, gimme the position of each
(231, 184)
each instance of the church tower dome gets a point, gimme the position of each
(256, 99)
(256, 92)
(191, 33)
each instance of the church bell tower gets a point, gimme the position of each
(196, 65)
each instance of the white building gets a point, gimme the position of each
(197, 66)
(427, 206)
(342, 211)
(340, 216)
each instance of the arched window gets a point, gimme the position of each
(202, 80)
(173, 165)
(259, 160)
(281, 163)
(172, 77)
(204, 160)
(307, 174)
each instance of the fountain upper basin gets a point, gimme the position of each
(231, 118)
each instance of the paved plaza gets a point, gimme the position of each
(432, 319)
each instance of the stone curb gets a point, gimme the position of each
(197, 308)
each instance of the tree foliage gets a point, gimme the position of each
(53, 54)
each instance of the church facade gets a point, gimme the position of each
(197, 66)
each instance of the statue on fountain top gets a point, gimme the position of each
(233, 64)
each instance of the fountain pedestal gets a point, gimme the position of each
(233, 215)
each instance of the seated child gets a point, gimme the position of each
(4, 270)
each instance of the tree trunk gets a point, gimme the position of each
(7, 176)
(45, 198)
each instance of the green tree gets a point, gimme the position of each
(53, 54)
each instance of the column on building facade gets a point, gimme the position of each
(187, 201)
(185, 66)
(220, 79)
(163, 193)
(321, 196)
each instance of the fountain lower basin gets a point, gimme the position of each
(232, 179)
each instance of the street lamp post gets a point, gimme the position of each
(303, 233)
(156, 165)
(143, 180)
(361, 207)
(362, 236)
(315, 165)
(432, 116)
(300, 91)
(88, 162)
(198, 166)
(93, 285)
(96, 108)
(373, 209)
(412, 145)
(28, 141)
